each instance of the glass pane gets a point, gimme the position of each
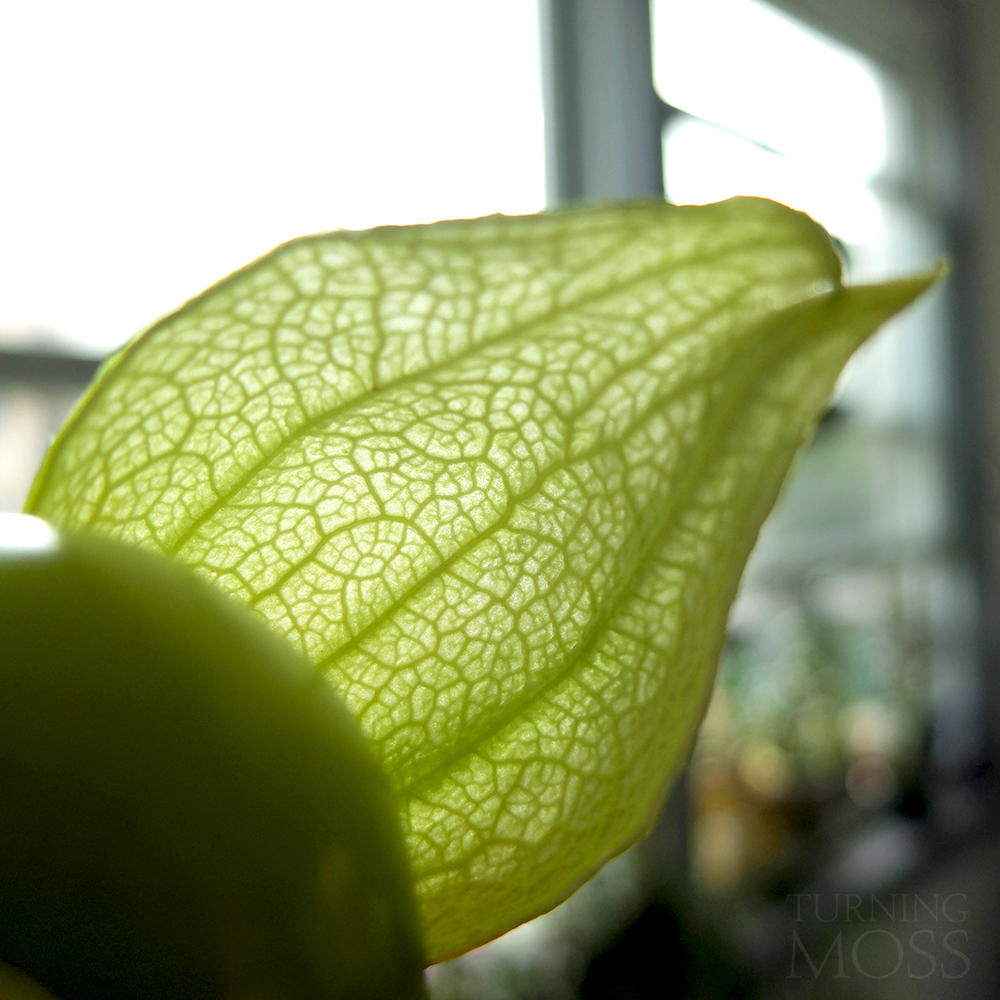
(149, 149)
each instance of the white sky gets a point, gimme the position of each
(149, 149)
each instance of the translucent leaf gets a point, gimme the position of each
(499, 479)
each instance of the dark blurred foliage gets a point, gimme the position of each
(667, 944)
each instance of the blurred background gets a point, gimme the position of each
(835, 832)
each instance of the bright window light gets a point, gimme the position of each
(151, 148)
(754, 71)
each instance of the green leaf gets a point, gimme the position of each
(498, 478)
(14, 985)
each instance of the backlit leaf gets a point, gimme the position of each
(498, 478)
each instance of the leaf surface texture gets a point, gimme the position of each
(498, 479)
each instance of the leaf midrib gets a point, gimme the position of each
(513, 499)
(781, 349)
